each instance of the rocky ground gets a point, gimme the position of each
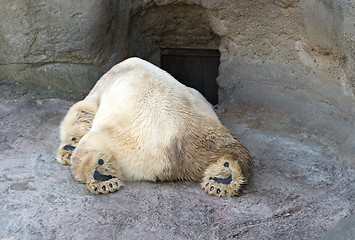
(299, 189)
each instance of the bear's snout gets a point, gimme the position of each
(68, 148)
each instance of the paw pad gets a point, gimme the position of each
(222, 178)
(225, 181)
(105, 187)
(68, 148)
(103, 183)
(64, 154)
(101, 177)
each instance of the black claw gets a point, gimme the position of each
(68, 148)
(218, 191)
(95, 189)
(73, 139)
(226, 164)
(110, 185)
(104, 188)
(100, 162)
(207, 184)
(210, 178)
(212, 187)
(225, 192)
(116, 183)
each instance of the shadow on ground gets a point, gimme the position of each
(297, 191)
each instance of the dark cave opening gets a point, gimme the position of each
(179, 39)
(196, 68)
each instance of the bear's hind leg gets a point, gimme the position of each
(104, 179)
(104, 187)
(223, 178)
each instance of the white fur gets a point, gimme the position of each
(146, 107)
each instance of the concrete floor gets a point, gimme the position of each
(297, 191)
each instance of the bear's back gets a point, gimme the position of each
(150, 119)
(143, 91)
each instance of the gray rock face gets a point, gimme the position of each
(61, 45)
(54, 43)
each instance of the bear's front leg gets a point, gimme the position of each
(75, 125)
(223, 178)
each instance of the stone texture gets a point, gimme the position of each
(62, 45)
(297, 192)
(345, 229)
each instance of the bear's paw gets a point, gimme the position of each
(110, 185)
(64, 154)
(223, 178)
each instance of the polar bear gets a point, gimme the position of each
(140, 124)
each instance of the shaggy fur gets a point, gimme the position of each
(139, 123)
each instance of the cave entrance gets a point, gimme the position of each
(179, 39)
(196, 68)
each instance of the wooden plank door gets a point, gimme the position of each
(194, 68)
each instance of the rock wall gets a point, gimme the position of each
(285, 64)
(65, 45)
